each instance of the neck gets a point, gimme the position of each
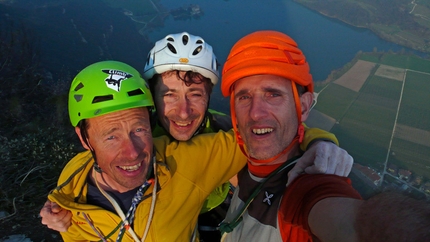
(99, 178)
(264, 169)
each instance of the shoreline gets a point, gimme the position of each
(382, 35)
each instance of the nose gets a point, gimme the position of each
(257, 108)
(184, 107)
(131, 148)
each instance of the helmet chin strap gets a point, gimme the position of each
(297, 139)
(96, 165)
(84, 135)
(97, 168)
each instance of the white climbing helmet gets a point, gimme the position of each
(183, 52)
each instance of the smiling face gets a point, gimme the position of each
(266, 114)
(122, 142)
(180, 107)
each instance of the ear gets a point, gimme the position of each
(78, 132)
(306, 101)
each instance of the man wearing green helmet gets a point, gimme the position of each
(191, 78)
(129, 186)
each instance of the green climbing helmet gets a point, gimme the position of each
(106, 87)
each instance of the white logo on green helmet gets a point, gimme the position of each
(113, 81)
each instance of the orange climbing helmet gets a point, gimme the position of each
(266, 52)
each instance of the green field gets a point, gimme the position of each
(366, 119)
(410, 155)
(336, 100)
(415, 108)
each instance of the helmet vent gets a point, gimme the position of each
(135, 92)
(79, 86)
(99, 99)
(197, 50)
(78, 98)
(185, 39)
(199, 41)
(171, 48)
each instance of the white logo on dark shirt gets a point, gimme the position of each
(268, 197)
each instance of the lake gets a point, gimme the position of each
(327, 43)
(73, 34)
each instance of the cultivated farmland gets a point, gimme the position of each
(379, 110)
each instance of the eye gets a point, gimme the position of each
(194, 96)
(274, 98)
(274, 94)
(244, 97)
(170, 97)
(110, 137)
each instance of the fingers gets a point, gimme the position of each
(55, 207)
(46, 209)
(65, 222)
(331, 159)
(54, 217)
(345, 163)
(323, 158)
(303, 163)
(293, 174)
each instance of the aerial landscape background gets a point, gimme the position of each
(369, 59)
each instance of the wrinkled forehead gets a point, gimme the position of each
(139, 114)
(261, 83)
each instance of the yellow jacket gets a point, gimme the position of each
(187, 173)
(205, 163)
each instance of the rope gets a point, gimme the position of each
(154, 198)
(132, 210)
(227, 227)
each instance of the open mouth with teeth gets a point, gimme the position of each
(182, 124)
(262, 131)
(131, 168)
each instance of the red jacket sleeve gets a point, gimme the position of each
(302, 195)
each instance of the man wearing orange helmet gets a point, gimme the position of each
(181, 70)
(267, 79)
(128, 186)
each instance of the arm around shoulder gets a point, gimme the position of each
(314, 134)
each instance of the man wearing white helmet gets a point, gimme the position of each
(182, 70)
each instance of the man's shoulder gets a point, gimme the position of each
(164, 144)
(219, 121)
(78, 161)
(74, 175)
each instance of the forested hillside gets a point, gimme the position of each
(404, 22)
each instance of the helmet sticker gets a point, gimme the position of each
(183, 60)
(113, 81)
